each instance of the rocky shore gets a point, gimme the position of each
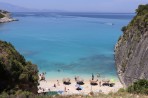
(6, 17)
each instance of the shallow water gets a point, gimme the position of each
(74, 44)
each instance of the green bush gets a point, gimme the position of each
(139, 87)
(15, 72)
(124, 28)
(1, 15)
(142, 9)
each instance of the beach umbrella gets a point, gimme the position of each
(66, 81)
(78, 88)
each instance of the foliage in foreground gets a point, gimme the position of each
(15, 72)
(120, 94)
(139, 87)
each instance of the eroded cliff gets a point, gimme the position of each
(131, 51)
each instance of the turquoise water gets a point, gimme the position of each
(75, 44)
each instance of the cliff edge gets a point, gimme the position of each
(131, 51)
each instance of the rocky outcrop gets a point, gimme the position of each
(5, 17)
(131, 51)
(15, 72)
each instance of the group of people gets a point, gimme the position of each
(42, 76)
(58, 84)
(93, 77)
(79, 81)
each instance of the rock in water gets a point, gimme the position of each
(131, 51)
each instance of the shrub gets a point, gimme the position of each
(124, 28)
(1, 15)
(139, 87)
(15, 72)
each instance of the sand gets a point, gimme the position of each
(71, 89)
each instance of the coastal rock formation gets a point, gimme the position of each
(15, 72)
(131, 51)
(5, 17)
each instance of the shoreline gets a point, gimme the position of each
(6, 19)
(54, 75)
(48, 85)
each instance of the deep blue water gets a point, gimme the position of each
(74, 43)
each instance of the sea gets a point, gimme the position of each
(67, 44)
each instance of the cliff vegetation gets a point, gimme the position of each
(15, 72)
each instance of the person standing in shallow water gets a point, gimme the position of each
(92, 76)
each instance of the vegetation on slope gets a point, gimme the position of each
(140, 21)
(2, 13)
(15, 72)
(139, 25)
(131, 50)
(139, 87)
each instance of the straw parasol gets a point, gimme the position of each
(66, 81)
(80, 81)
(94, 82)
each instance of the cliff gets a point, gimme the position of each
(5, 17)
(15, 72)
(131, 51)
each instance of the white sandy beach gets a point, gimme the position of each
(71, 89)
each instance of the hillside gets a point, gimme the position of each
(15, 72)
(131, 51)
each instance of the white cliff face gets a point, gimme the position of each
(131, 51)
(6, 17)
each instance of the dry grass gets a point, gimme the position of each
(119, 94)
(111, 95)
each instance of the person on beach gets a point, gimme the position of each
(100, 83)
(65, 89)
(58, 83)
(75, 78)
(44, 91)
(92, 76)
(98, 75)
(54, 85)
